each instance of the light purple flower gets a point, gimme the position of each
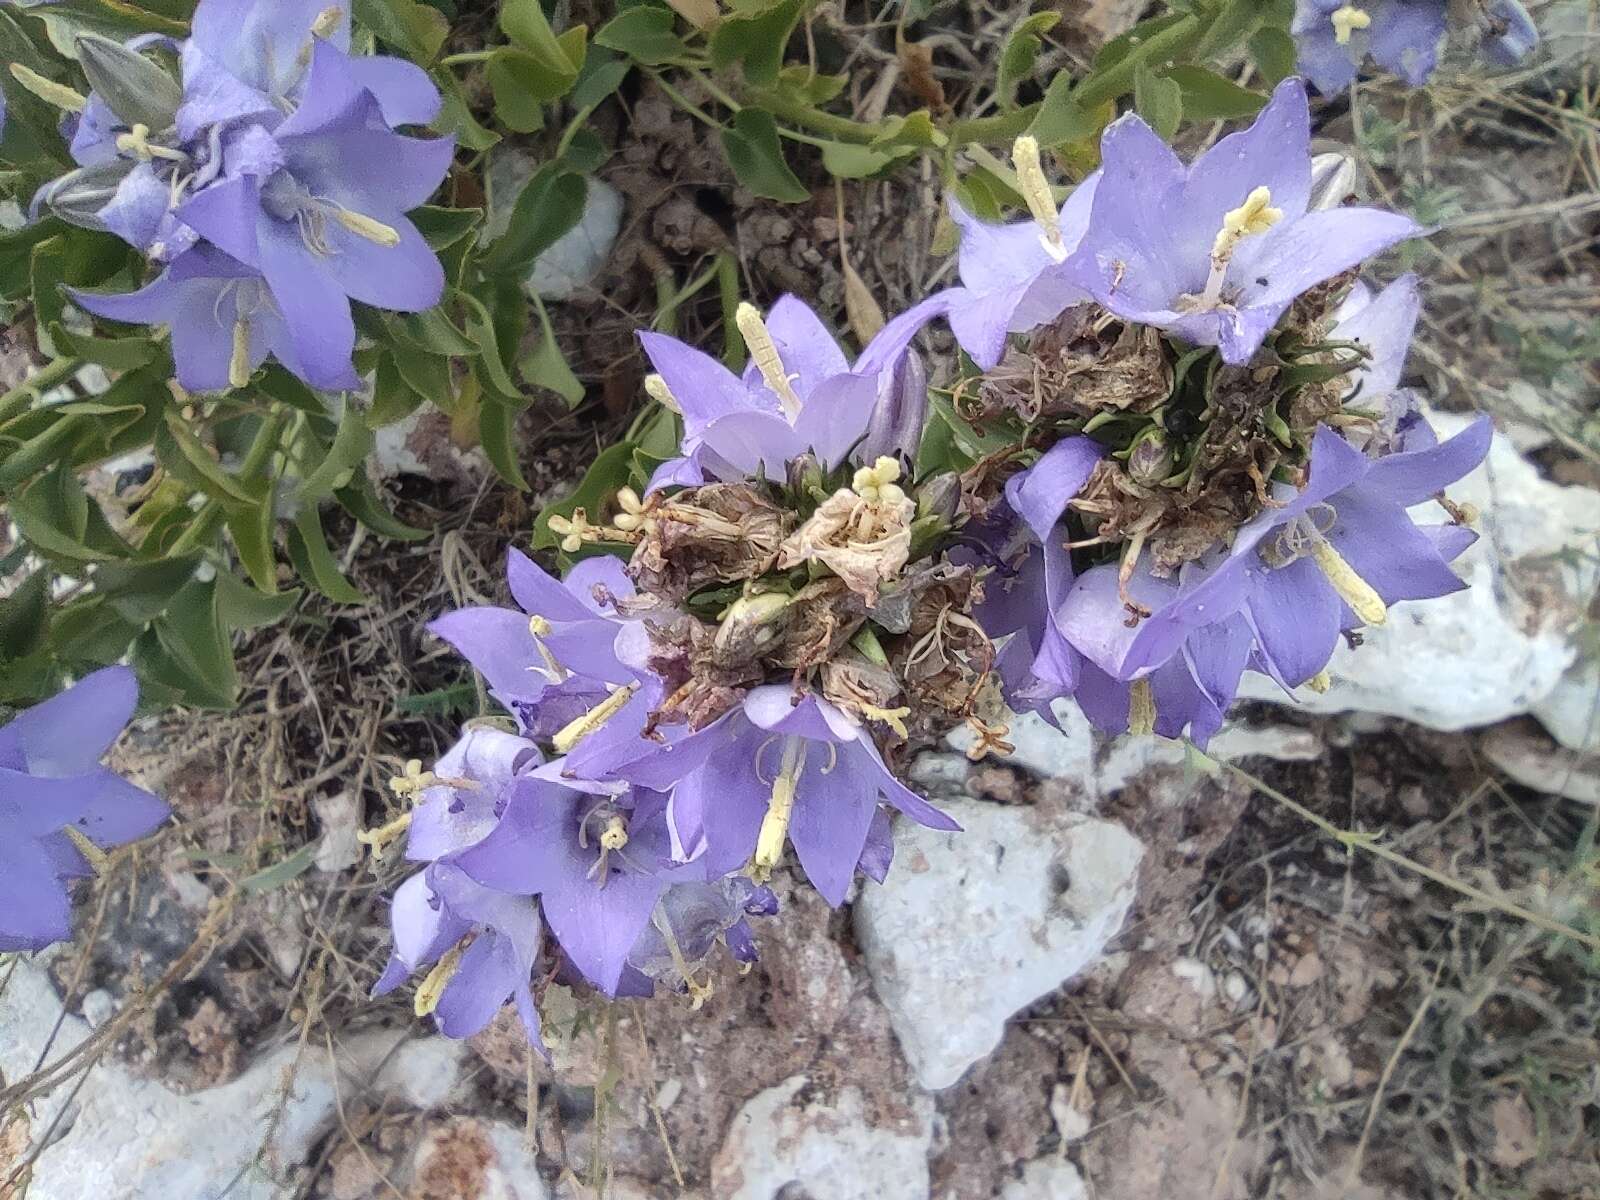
(248, 60)
(214, 305)
(798, 395)
(597, 856)
(432, 913)
(1190, 691)
(1014, 278)
(772, 770)
(1033, 573)
(1279, 573)
(550, 678)
(1334, 37)
(51, 780)
(1216, 251)
(318, 208)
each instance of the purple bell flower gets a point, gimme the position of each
(1331, 556)
(553, 676)
(433, 913)
(798, 395)
(1215, 252)
(771, 771)
(1014, 277)
(51, 781)
(1033, 574)
(1334, 37)
(248, 60)
(221, 315)
(597, 856)
(318, 208)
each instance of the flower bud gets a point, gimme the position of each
(132, 86)
(940, 497)
(1333, 180)
(752, 624)
(78, 196)
(901, 410)
(1150, 458)
(805, 476)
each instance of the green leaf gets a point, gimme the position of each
(807, 87)
(755, 36)
(1158, 100)
(351, 445)
(482, 327)
(1233, 24)
(602, 74)
(550, 204)
(497, 423)
(850, 160)
(455, 117)
(183, 454)
(911, 129)
(55, 516)
(1018, 55)
(252, 526)
(521, 85)
(442, 228)
(281, 873)
(751, 144)
(308, 550)
(114, 354)
(431, 331)
(644, 33)
(192, 648)
(417, 29)
(1274, 53)
(25, 617)
(1208, 96)
(546, 367)
(141, 592)
(1063, 120)
(360, 499)
(242, 607)
(524, 22)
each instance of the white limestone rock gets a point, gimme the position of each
(795, 1139)
(129, 1138)
(970, 928)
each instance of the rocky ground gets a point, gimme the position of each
(1351, 954)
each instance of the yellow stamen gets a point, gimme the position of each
(1355, 591)
(699, 993)
(615, 835)
(137, 143)
(656, 388)
(991, 739)
(877, 482)
(412, 780)
(538, 626)
(764, 353)
(239, 364)
(327, 21)
(1346, 21)
(380, 837)
(98, 859)
(431, 989)
(894, 718)
(1255, 215)
(365, 227)
(1320, 682)
(1035, 188)
(49, 90)
(576, 730)
(775, 825)
(1141, 708)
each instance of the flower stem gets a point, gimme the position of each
(466, 57)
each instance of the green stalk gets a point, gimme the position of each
(48, 376)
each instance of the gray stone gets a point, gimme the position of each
(972, 927)
(1046, 1179)
(577, 256)
(793, 1139)
(124, 1137)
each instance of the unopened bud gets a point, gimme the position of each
(79, 196)
(1150, 458)
(1333, 180)
(940, 497)
(751, 624)
(901, 411)
(132, 86)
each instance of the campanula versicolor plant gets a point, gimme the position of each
(1201, 462)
